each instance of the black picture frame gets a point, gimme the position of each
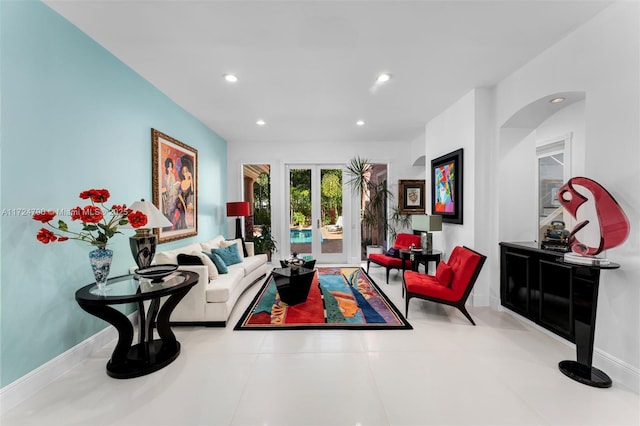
(446, 187)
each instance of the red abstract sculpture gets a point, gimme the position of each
(614, 225)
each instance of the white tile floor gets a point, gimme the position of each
(443, 372)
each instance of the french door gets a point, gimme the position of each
(314, 200)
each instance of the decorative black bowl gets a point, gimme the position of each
(156, 272)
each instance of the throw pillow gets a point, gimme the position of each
(393, 252)
(218, 262)
(238, 242)
(165, 259)
(444, 274)
(229, 254)
(206, 261)
(187, 259)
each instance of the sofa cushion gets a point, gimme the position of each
(388, 261)
(252, 263)
(218, 262)
(444, 274)
(206, 261)
(171, 256)
(218, 291)
(229, 254)
(404, 241)
(419, 283)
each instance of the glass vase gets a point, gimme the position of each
(100, 259)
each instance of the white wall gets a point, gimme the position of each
(569, 120)
(466, 125)
(396, 154)
(602, 60)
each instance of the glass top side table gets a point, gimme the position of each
(149, 354)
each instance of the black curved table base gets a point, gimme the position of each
(149, 355)
(144, 358)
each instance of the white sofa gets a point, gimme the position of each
(211, 301)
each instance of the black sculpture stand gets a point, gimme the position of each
(585, 303)
(149, 355)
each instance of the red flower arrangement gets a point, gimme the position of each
(96, 228)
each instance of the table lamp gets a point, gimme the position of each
(423, 225)
(143, 243)
(238, 209)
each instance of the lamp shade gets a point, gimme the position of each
(426, 223)
(238, 208)
(155, 218)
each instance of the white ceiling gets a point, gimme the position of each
(308, 67)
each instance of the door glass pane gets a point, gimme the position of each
(331, 210)
(300, 220)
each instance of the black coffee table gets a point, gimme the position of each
(293, 284)
(149, 354)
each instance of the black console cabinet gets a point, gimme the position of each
(535, 285)
(560, 296)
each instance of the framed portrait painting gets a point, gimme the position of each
(175, 185)
(446, 187)
(411, 197)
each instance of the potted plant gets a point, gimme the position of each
(263, 242)
(374, 196)
(398, 222)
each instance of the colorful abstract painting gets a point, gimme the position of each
(340, 297)
(444, 188)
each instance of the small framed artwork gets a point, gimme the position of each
(174, 177)
(411, 197)
(446, 187)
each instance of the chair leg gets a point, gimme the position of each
(466, 314)
(368, 262)
(406, 306)
(388, 269)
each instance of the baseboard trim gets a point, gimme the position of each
(621, 373)
(26, 386)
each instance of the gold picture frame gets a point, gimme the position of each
(411, 196)
(175, 185)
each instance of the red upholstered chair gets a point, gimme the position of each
(403, 242)
(452, 283)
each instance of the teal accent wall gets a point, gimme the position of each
(74, 117)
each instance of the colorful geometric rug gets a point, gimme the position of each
(340, 298)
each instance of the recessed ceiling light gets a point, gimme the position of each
(261, 122)
(230, 78)
(360, 123)
(556, 100)
(383, 78)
